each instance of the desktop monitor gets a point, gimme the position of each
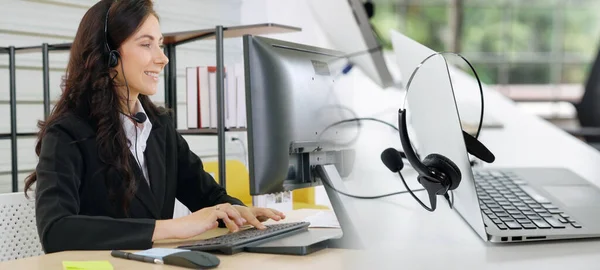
(347, 26)
(292, 107)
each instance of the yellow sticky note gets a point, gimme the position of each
(87, 265)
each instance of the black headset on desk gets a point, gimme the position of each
(436, 173)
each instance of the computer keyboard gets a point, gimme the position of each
(512, 204)
(235, 242)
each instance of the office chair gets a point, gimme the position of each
(18, 231)
(588, 108)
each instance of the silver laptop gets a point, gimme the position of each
(501, 205)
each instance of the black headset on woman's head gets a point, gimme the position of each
(113, 61)
(113, 55)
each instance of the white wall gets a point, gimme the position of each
(31, 23)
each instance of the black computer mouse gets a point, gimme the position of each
(192, 259)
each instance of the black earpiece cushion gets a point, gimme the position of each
(445, 165)
(113, 59)
(370, 9)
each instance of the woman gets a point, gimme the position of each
(95, 189)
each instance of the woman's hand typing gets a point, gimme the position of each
(198, 222)
(234, 216)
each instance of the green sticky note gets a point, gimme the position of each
(87, 265)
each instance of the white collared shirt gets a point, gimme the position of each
(143, 132)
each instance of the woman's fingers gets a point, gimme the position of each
(214, 225)
(233, 213)
(252, 220)
(234, 217)
(279, 213)
(268, 213)
(222, 215)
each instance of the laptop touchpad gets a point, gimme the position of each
(574, 196)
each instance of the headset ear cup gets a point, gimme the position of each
(445, 165)
(370, 9)
(113, 59)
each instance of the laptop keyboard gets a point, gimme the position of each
(513, 205)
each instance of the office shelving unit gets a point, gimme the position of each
(13, 135)
(13, 111)
(171, 41)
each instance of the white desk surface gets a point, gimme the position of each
(409, 237)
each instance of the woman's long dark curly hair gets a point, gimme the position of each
(90, 89)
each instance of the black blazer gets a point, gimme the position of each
(73, 209)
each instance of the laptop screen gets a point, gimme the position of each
(433, 121)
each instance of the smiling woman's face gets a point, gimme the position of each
(142, 59)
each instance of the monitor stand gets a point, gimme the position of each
(307, 242)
